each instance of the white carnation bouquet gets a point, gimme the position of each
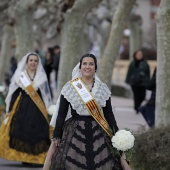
(123, 140)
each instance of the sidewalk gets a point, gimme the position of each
(126, 116)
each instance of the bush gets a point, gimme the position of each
(152, 150)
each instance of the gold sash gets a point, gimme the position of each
(37, 100)
(34, 95)
(91, 104)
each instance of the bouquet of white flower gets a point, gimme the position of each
(123, 141)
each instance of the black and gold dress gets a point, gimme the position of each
(24, 134)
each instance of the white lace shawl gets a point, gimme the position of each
(40, 81)
(100, 92)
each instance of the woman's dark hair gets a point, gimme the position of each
(31, 54)
(134, 54)
(89, 55)
(50, 50)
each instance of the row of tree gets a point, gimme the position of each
(69, 20)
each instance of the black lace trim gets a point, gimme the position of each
(97, 137)
(79, 138)
(87, 137)
(82, 131)
(95, 128)
(23, 146)
(103, 162)
(82, 153)
(89, 148)
(78, 164)
(103, 146)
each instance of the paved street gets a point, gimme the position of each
(124, 114)
(11, 165)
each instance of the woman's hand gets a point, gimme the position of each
(56, 141)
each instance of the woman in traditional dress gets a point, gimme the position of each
(24, 134)
(84, 122)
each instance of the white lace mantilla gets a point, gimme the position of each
(100, 92)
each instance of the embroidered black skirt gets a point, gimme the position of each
(84, 146)
(29, 130)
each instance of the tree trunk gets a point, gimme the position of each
(135, 36)
(112, 48)
(71, 40)
(4, 57)
(23, 27)
(163, 65)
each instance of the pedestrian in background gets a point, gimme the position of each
(48, 66)
(138, 75)
(13, 65)
(56, 61)
(148, 110)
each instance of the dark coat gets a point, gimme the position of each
(55, 65)
(138, 73)
(152, 86)
(48, 70)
